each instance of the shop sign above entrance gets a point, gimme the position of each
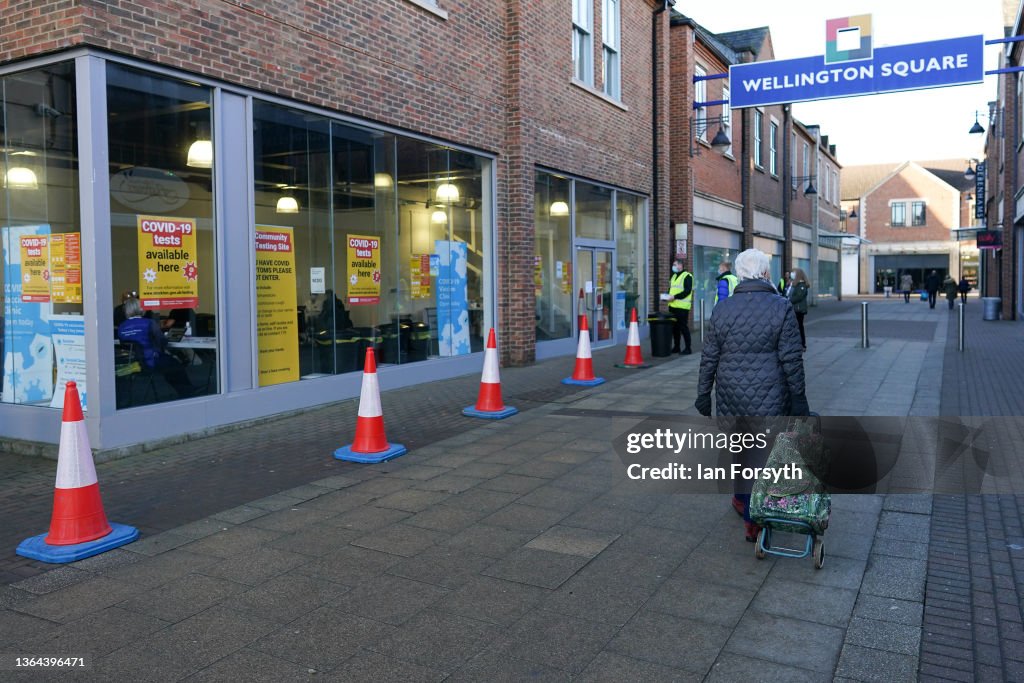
(860, 71)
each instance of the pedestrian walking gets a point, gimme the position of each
(964, 287)
(680, 301)
(949, 287)
(752, 359)
(931, 285)
(726, 281)
(906, 285)
(797, 293)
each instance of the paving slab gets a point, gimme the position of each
(670, 641)
(554, 640)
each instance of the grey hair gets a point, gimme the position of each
(751, 264)
(132, 308)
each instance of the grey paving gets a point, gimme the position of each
(511, 551)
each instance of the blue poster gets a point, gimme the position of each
(28, 348)
(452, 300)
(69, 344)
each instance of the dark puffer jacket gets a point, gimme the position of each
(753, 353)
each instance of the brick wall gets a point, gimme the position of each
(912, 183)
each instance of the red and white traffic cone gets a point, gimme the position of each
(488, 403)
(583, 373)
(79, 526)
(370, 445)
(634, 357)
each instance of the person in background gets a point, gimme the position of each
(752, 359)
(119, 316)
(680, 302)
(145, 333)
(964, 287)
(906, 285)
(726, 281)
(333, 314)
(797, 293)
(950, 289)
(931, 285)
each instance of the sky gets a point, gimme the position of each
(919, 125)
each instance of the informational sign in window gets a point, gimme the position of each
(452, 299)
(168, 263)
(66, 269)
(363, 270)
(277, 328)
(68, 333)
(28, 347)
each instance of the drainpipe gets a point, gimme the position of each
(656, 156)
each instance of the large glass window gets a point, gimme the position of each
(162, 237)
(593, 211)
(705, 275)
(631, 222)
(387, 238)
(552, 257)
(41, 327)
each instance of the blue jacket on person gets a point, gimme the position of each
(146, 333)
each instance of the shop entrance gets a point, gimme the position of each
(594, 268)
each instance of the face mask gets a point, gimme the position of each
(792, 275)
(676, 269)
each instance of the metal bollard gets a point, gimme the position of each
(702, 321)
(864, 325)
(960, 330)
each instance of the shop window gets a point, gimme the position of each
(631, 227)
(162, 235)
(42, 332)
(593, 211)
(552, 257)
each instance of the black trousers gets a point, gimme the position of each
(906, 296)
(800, 323)
(681, 328)
(932, 298)
(963, 298)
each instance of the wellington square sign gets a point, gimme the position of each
(858, 69)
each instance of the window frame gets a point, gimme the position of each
(700, 94)
(792, 162)
(758, 124)
(914, 205)
(727, 117)
(583, 41)
(611, 48)
(892, 214)
(773, 147)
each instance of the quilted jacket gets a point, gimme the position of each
(753, 353)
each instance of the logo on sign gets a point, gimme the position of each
(848, 38)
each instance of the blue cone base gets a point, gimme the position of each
(393, 451)
(584, 382)
(37, 548)
(632, 367)
(506, 411)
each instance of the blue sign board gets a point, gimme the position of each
(452, 299)
(28, 348)
(935, 64)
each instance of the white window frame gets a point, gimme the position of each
(727, 118)
(611, 20)
(773, 147)
(835, 187)
(700, 94)
(583, 41)
(794, 150)
(807, 162)
(823, 179)
(758, 124)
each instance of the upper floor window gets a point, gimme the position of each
(727, 119)
(835, 187)
(582, 37)
(899, 215)
(793, 150)
(758, 123)
(807, 161)
(700, 94)
(612, 69)
(917, 213)
(773, 148)
(823, 172)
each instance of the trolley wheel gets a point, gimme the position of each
(759, 543)
(819, 553)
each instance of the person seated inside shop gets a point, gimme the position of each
(119, 315)
(333, 315)
(145, 334)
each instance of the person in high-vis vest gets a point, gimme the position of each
(726, 281)
(680, 301)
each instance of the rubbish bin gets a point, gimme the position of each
(661, 334)
(991, 307)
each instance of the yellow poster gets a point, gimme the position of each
(276, 322)
(66, 268)
(363, 270)
(419, 276)
(168, 263)
(35, 269)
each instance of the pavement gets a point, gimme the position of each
(513, 550)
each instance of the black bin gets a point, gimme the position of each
(661, 335)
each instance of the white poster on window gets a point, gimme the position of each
(68, 333)
(317, 280)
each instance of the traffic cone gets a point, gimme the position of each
(78, 527)
(581, 306)
(583, 373)
(488, 403)
(370, 445)
(634, 358)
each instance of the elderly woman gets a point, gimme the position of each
(753, 354)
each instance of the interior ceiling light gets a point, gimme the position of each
(446, 192)
(21, 178)
(287, 205)
(559, 208)
(439, 217)
(200, 154)
(382, 180)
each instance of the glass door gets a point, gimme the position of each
(594, 268)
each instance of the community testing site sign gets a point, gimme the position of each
(935, 64)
